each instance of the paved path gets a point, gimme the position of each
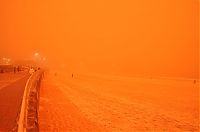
(8, 78)
(10, 101)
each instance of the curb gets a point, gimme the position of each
(28, 117)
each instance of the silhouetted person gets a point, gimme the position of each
(18, 69)
(72, 75)
(195, 81)
(14, 69)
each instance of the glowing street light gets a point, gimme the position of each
(36, 54)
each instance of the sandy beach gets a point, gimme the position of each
(96, 103)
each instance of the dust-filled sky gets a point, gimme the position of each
(126, 37)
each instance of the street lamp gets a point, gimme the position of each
(36, 54)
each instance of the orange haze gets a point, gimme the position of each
(126, 37)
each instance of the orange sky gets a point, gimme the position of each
(157, 37)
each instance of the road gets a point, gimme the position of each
(89, 103)
(11, 94)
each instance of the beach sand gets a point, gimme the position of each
(108, 103)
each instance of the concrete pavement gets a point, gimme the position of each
(10, 102)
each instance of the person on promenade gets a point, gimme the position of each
(14, 69)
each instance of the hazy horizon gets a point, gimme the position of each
(113, 37)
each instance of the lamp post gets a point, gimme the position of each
(37, 57)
